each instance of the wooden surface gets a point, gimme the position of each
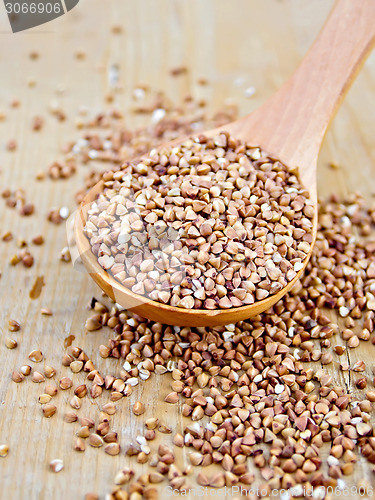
(301, 110)
(235, 45)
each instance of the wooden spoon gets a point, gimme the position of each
(290, 126)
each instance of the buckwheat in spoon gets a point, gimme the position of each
(217, 228)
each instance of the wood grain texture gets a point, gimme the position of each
(234, 44)
(292, 123)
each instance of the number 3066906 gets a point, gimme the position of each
(33, 8)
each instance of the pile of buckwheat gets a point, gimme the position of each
(211, 223)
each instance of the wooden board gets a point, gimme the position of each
(234, 45)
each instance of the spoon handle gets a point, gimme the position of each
(293, 122)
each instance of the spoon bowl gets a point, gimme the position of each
(154, 310)
(290, 126)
